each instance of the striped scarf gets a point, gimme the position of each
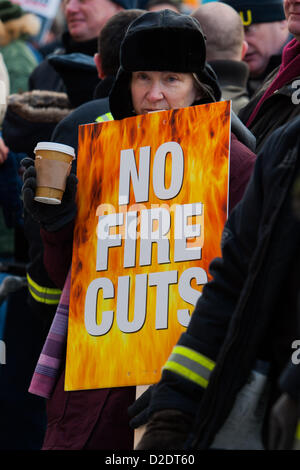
(50, 361)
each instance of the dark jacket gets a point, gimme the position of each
(232, 76)
(277, 110)
(245, 313)
(45, 77)
(66, 132)
(76, 69)
(30, 118)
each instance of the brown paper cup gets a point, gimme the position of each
(53, 163)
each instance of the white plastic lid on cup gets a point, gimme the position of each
(56, 146)
(47, 200)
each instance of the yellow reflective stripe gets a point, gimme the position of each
(105, 117)
(190, 364)
(187, 373)
(45, 290)
(297, 435)
(43, 299)
(46, 295)
(194, 356)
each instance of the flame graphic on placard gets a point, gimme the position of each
(203, 132)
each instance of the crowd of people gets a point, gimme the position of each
(231, 381)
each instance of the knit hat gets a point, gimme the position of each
(126, 4)
(161, 41)
(258, 11)
(9, 11)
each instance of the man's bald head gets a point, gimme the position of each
(224, 31)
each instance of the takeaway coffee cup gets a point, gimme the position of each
(53, 163)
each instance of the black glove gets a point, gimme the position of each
(166, 430)
(138, 411)
(283, 423)
(50, 217)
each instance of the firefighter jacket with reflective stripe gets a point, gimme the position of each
(239, 308)
(47, 295)
(43, 294)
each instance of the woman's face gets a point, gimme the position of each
(155, 91)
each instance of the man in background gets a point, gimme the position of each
(84, 21)
(266, 33)
(225, 50)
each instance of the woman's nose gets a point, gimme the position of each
(155, 92)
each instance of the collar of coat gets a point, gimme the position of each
(40, 106)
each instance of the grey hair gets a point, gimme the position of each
(206, 90)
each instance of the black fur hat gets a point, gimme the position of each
(161, 41)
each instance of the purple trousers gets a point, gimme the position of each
(89, 419)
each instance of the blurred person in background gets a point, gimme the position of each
(277, 101)
(15, 27)
(266, 33)
(156, 5)
(84, 21)
(225, 50)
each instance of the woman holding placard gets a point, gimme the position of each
(162, 67)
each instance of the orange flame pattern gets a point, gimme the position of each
(203, 132)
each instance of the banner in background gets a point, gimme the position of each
(45, 9)
(152, 204)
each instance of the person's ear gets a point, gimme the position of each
(244, 49)
(98, 63)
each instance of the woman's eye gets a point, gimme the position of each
(172, 78)
(142, 76)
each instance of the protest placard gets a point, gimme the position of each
(44, 9)
(152, 202)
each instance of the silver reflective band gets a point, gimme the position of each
(191, 365)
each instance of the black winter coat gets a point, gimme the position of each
(46, 77)
(245, 309)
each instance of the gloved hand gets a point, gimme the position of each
(50, 217)
(283, 423)
(166, 430)
(138, 411)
